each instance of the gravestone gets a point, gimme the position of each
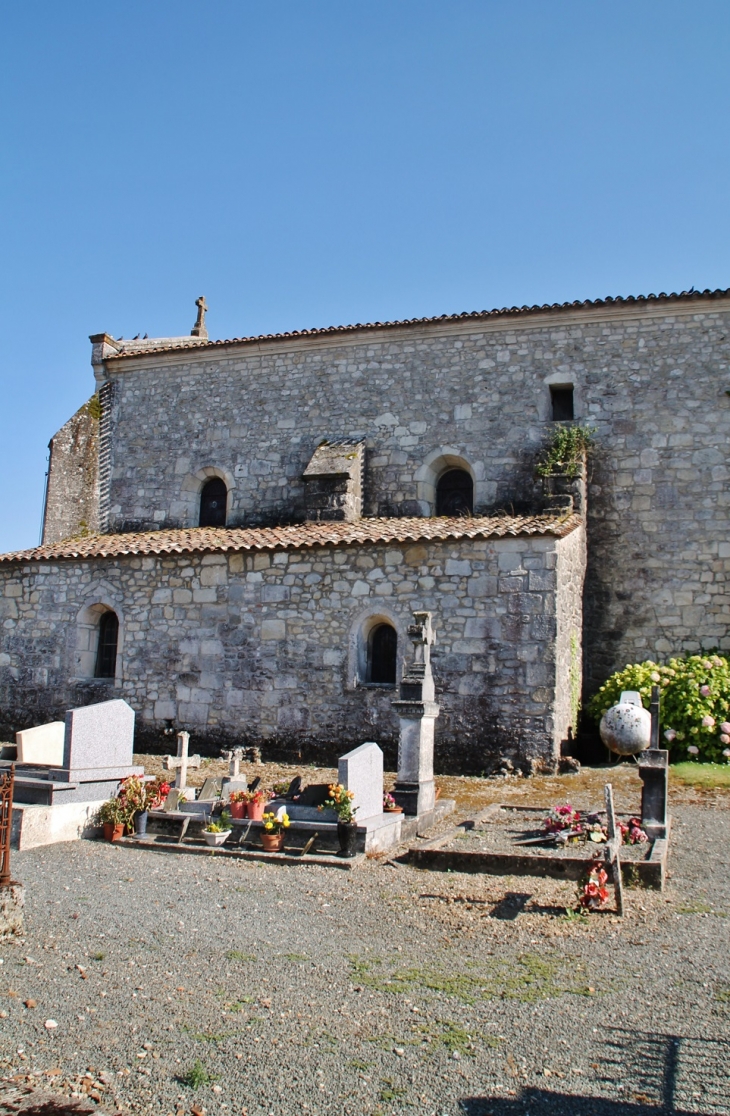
(654, 774)
(417, 711)
(98, 744)
(42, 745)
(361, 771)
(210, 790)
(181, 762)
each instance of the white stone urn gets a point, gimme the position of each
(626, 727)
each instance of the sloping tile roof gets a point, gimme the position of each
(475, 315)
(364, 531)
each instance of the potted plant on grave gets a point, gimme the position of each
(237, 803)
(112, 818)
(216, 832)
(340, 800)
(256, 804)
(275, 824)
(390, 806)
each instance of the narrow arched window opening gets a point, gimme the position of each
(213, 500)
(382, 655)
(455, 493)
(106, 652)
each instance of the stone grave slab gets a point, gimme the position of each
(42, 745)
(361, 771)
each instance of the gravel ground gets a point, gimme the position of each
(183, 984)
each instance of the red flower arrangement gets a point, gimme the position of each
(632, 834)
(592, 891)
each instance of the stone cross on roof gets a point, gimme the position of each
(199, 329)
(180, 763)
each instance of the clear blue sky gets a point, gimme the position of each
(311, 163)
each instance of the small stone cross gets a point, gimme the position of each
(199, 329)
(180, 763)
(234, 762)
(422, 637)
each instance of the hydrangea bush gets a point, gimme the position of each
(695, 703)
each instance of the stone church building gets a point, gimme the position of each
(237, 532)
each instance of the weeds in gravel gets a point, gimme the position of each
(98, 956)
(700, 909)
(236, 955)
(196, 1076)
(296, 956)
(722, 994)
(389, 1091)
(356, 1064)
(528, 978)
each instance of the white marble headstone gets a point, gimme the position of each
(361, 771)
(42, 745)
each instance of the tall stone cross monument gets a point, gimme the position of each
(417, 711)
(181, 762)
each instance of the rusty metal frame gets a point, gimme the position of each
(7, 782)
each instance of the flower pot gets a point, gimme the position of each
(347, 836)
(272, 842)
(393, 810)
(237, 809)
(140, 823)
(256, 810)
(113, 832)
(216, 839)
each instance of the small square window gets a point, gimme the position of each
(562, 401)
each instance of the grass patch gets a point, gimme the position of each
(723, 994)
(528, 978)
(701, 774)
(389, 1091)
(196, 1076)
(296, 956)
(236, 955)
(98, 956)
(356, 1064)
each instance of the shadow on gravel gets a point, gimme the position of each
(661, 1075)
(511, 906)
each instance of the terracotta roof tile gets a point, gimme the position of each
(364, 531)
(475, 315)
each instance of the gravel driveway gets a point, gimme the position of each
(183, 984)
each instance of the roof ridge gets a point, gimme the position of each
(296, 536)
(474, 315)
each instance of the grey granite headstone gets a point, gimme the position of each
(361, 771)
(98, 743)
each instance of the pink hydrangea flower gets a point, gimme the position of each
(725, 727)
(671, 735)
(727, 752)
(708, 722)
(705, 691)
(724, 739)
(693, 750)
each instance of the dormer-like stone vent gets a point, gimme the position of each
(333, 482)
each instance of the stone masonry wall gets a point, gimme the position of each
(651, 379)
(265, 648)
(571, 571)
(72, 495)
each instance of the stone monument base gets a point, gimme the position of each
(35, 825)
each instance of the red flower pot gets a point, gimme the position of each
(256, 810)
(113, 832)
(238, 809)
(272, 842)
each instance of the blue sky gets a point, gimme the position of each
(313, 163)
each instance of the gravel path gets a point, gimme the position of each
(283, 991)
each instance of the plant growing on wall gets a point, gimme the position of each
(565, 451)
(695, 702)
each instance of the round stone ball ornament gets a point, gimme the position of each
(626, 728)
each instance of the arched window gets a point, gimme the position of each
(213, 503)
(455, 493)
(106, 651)
(382, 654)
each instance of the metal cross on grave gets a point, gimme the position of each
(180, 763)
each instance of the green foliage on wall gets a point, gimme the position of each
(565, 451)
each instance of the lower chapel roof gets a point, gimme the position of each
(299, 536)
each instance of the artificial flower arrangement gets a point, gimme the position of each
(239, 796)
(254, 796)
(592, 890)
(569, 825)
(136, 796)
(221, 825)
(276, 822)
(340, 800)
(390, 806)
